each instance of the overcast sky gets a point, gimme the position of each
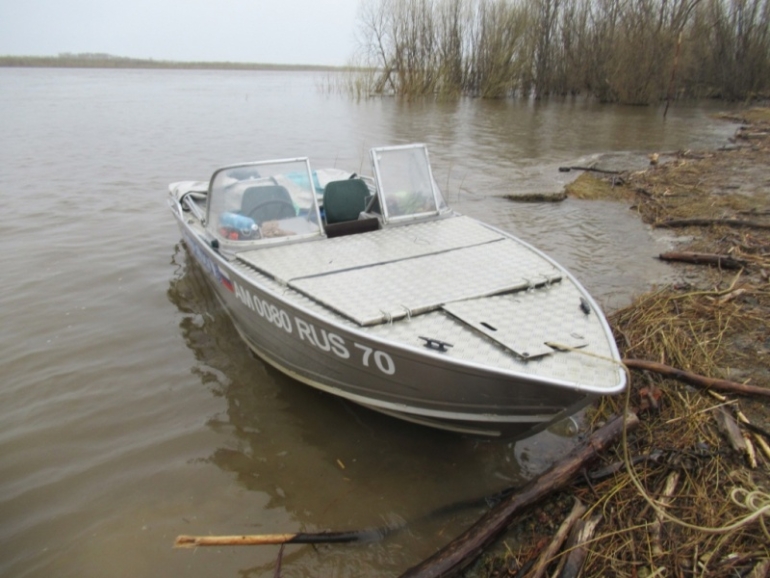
(265, 31)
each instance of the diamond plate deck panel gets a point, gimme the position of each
(389, 291)
(499, 319)
(289, 262)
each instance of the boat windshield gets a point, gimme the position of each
(405, 182)
(264, 200)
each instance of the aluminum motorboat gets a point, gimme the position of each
(373, 289)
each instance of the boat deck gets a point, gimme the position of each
(404, 271)
(496, 302)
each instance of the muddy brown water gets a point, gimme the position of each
(130, 412)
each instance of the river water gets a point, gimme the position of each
(130, 412)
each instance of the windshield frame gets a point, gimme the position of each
(382, 178)
(217, 200)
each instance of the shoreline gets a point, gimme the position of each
(712, 322)
(106, 61)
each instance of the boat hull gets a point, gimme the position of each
(424, 387)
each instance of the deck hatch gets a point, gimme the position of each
(527, 340)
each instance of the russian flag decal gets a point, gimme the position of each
(225, 279)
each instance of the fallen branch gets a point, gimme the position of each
(723, 261)
(758, 434)
(664, 501)
(751, 453)
(463, 549)
(755, 211)
(271, 539)
(333, 537)
(278, 562)
(592, 169)
(697, 380)
(753, 135)
(583, 532)
(558, 539)
(615, 467)
(738, 223)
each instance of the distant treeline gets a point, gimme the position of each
(98, 60)
(629, 51)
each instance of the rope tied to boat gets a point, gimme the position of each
(757, 502)
(561, 347)
(753, 500)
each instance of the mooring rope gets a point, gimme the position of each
(755, 501)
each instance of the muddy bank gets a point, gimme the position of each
(712, 203)
(688, 492)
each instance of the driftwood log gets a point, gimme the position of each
(708, 383)
(331, 537)
(737, 223)
(723, 261)
(184, 541)
(466, 547)
(588, 169)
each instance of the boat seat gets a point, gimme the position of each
(267, 203)
(351, 227)
(345, 200)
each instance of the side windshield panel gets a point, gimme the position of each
(405, 182)
(263, 201)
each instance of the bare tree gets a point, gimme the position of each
(616, 50)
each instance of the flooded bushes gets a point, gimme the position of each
(636, 52)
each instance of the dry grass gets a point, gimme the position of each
(696, 330)
(689, 329)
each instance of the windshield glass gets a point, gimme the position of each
(405, 182)
(262, 201)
